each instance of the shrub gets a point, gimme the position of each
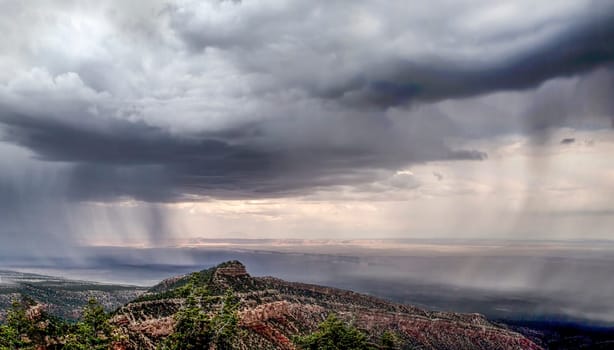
(334, 334)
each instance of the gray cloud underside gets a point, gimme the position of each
(296, 107)
(363, 71)
(572, 53)
(145, 162)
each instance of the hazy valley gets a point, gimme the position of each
(62, 297)
(542, 304)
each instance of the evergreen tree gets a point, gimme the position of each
(388, 341)
(92, 332)
(334, 334)
(224, 324)
(192, 330)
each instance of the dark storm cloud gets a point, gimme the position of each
(120, 142)
(168, 102)
(573, 52)
(277, 40)
(123, 158)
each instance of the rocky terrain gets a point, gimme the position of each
(272, 312)
(62, 297)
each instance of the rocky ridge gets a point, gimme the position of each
(272, 312)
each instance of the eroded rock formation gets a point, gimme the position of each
(273, 311)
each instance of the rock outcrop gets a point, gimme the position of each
(273, 311)
(232, 269)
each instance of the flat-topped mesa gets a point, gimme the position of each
(232, 268)
(230, 275)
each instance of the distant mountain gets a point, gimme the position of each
(64, 298)
(271, 313)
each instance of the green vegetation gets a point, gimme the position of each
(206, 319)
(388, 341)
(93, 331)
(182, 288)
(26, 327)
(334, 334)
(63, 296)
(30, 327)
(198, 329)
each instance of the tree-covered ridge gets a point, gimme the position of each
(197, 326)
(206, 321)
(62, 297)
(226, 308)
(178, 288)
(29, 326)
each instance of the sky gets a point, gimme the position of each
(152, 123)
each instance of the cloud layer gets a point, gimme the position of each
(239, 99)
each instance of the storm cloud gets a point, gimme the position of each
(190, 100)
